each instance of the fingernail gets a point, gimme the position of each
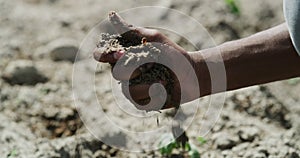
(118, 54)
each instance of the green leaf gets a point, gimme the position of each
(194, 154)
(170, 148)
(167, 150)
(13, 153)
(163, 151)
(188, 147)
(201, 140)
(233, 6)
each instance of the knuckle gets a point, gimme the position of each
(156, 33)
(139, 30)
(147, 31)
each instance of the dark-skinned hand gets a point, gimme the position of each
(139, 93)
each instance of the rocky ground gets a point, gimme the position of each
(39, 40)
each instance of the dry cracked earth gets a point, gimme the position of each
(39, 40)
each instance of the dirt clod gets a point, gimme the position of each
(23, 72)
(137, 51)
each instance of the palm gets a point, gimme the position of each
(171, 56)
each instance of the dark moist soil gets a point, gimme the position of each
(136, 49)
(62, 127)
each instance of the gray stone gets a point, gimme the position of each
(225, 141)
(50, 112)
(99, 154)
(61, 113)
(254, 154)
(63, 50)
(23, 72)
(241, 148)
(294, 155)
(248, 133)
(259, 155)
(65, 113)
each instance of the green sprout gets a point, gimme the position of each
(232, 4)
(188, 148)
(12, 154)
(201, 140)
(167, 150)
(194, 154)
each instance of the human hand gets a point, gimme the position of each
(138, 94)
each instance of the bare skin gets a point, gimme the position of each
(261, 58)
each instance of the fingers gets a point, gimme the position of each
(139, 96)
(152, 35)
(141, 92)
(120, 24)
(111, 57)
(120, 72)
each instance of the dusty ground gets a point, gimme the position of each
(37, 113)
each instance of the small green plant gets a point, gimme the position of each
(232, 4)
(167, 150)
(188, 148)
(12, 154)
(45, 91)
(201, 140)
(194, 154)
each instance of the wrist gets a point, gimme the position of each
(201, 70)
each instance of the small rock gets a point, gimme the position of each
(241, 148)
(218, 127)
(294, 155)
(58, 113)
(63, 152)
(227, 153)
(225, 141)
(86, 153)
(254, 154)
(248, 133)
(99, 154)
(50, 112)
(26, 96)
(259, 155)
(23, 72)
(63, 50)
(263, 150)
(65, 113)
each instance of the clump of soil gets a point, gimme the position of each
(136, 49)
(61, 124)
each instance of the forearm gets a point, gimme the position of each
(264, 57)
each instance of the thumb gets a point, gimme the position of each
(119, 23)
(112, 57)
